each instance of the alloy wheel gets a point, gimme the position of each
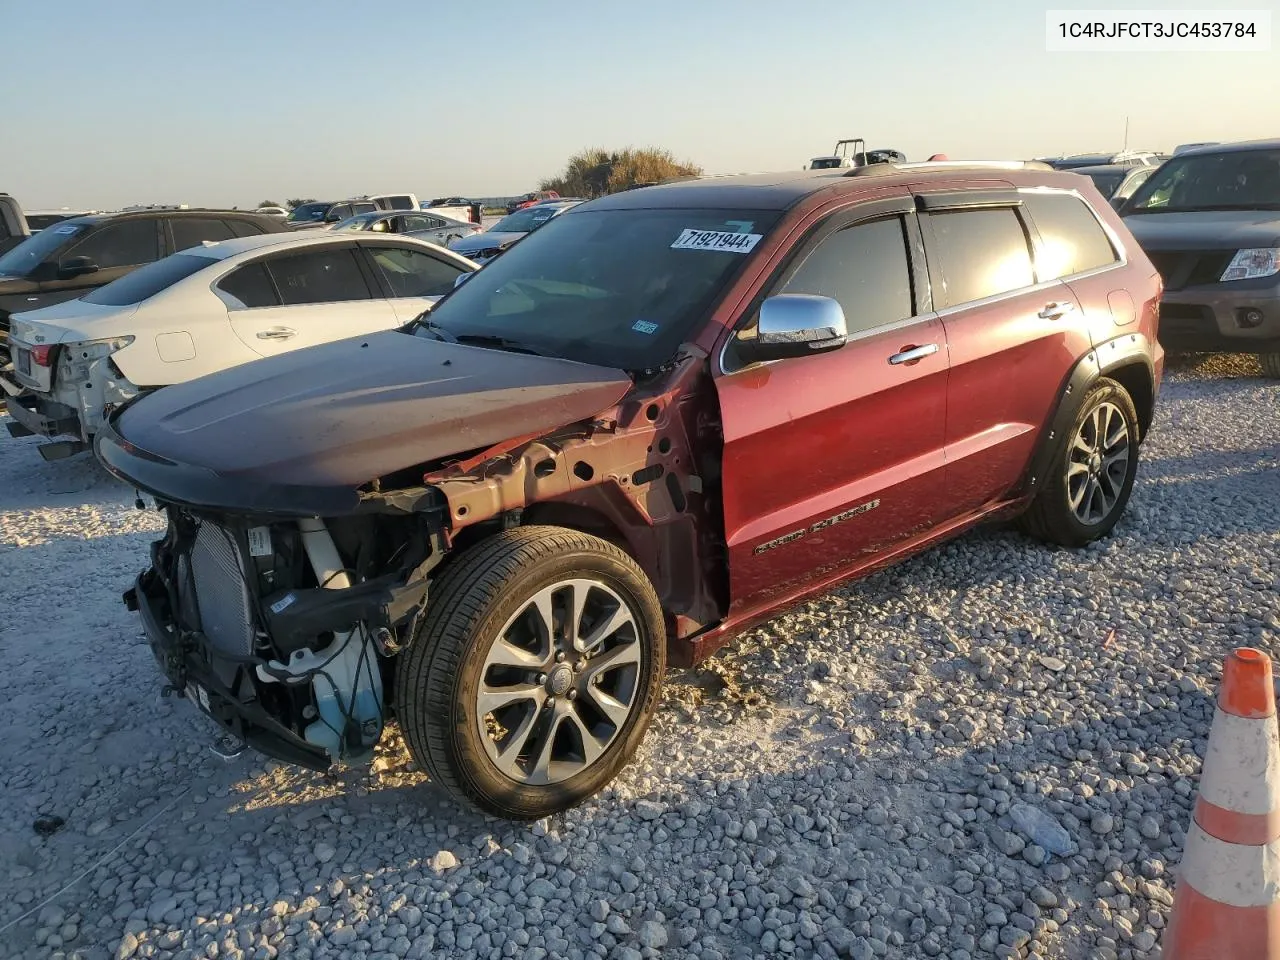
(559, 682)
(1098, 464)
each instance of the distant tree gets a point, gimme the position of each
(595, 171)
(297, 203)
(267, 203)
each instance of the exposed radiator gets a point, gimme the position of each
(222, 597)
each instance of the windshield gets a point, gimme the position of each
(308, 212)
(1107, 180)
(825, 163)
(360, 222)
(39, 247)
(148, 281)
(526, 220)
(1234, 180)
(619, 288)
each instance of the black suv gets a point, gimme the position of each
(73, 257)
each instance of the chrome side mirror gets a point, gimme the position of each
(795, 325)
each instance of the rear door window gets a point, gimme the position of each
(329, 275)
(1071, 238)
(126, 243)
(248, 287)
(982, 253)
(413, 273)
(190, 232)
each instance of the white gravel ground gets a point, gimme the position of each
(836, 784)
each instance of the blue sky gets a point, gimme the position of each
(236, 102)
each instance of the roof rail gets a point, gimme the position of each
(888, 169)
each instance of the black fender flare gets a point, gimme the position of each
(1103, 359)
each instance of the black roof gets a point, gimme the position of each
(1241, 146)
(780, 191)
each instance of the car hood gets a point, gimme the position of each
(1205, 229)
(344, 413)
(483, 241)
(71, 322)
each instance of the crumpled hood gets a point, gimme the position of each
(1205, 230)
(341, 414)
(71, 322)
(483, 241)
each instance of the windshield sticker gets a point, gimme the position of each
(716, 240)
(67, 228)
(644, 326)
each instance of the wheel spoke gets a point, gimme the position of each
(612, 624)
(624, 654)
(1096, 420)
(540, 770)
(504, 653)
(614, 709)
(1077, 498)
(495, 698)
(507, 757)
(1095, 495)
(592, 746)
(1076, 470)
(1080, 444)
(579, 590)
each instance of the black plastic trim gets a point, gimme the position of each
(963, 199)
(249, 723)
(1110, 355)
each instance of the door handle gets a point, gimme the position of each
(276, 333)
(1059, 308)
(912, 354)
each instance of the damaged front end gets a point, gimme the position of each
(283, 631)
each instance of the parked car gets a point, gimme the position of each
(514, 227)
(206, 309)
(13, 223)
(71, 258)
(1116, 181)
(39, 220)
(270, 211)
(1138, 158)
(605, 452)
(1209, 219)
(457, 208)
(529, 199)
(423, 226)
(394, 201)
(309, 215)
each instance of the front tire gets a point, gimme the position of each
(1092, 472)
(536, 673)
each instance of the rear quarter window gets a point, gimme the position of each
(1071, 238)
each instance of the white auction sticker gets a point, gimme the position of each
(716, 240)
(260, 542)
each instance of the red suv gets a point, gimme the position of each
(663, 417)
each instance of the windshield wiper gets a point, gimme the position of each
(497, 343)
(423, 321)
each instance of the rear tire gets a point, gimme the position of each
(1085, 490)
(1270, 365)
(561, 637)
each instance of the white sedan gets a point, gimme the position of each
(206, 309)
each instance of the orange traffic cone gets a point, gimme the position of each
(1226, 904)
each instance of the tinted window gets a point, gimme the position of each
(248, 287)
(319, 276)
(982, 253)
(863, 267)
(126, 243)
(37, 221)
(1107, 180)
(412, 273)
(399, 203)
(1071, 239)
(244, 228)
(40, 248)
(410, 223)
(190, 232)
(1234, 180)
(138, 285)
(1134, 182)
